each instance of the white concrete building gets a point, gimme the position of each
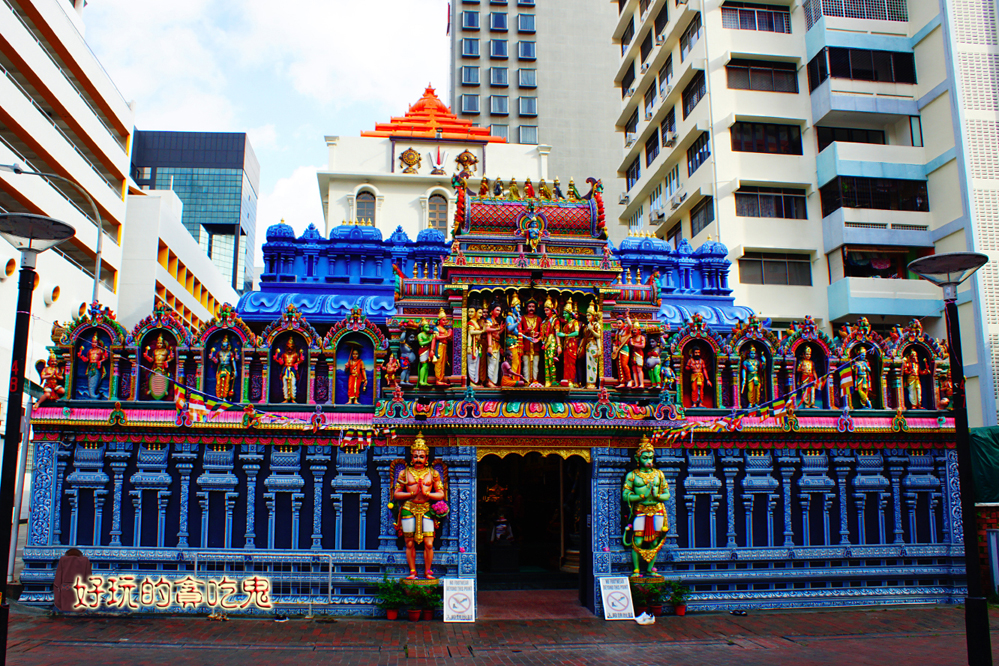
(59, 113)
(539, 72)
(400, 173)
(164, 265)
(793, 133)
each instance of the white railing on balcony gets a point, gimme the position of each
(874, 10)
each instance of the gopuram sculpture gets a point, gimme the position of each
(52, 377)
(423, 493)
(357, 377)
(645, 491)
(95, 358)
(807, 376)
(438, 347)
(474, 345)
(493, 329)
(591, 347)
(159, 356)
(698, 377)
(289, 359)
(225, 368)
(750, 381)
(862, 377)
(569, 340)
(530, 332)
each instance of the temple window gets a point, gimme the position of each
(437, 212)
(365, 206)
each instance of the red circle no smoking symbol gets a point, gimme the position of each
(460, 602)
(618, 601)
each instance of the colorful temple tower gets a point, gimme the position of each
(382, 405)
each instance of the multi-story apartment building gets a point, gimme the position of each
(539, 73)
(59, 113)
(217, 177)
(793, 134)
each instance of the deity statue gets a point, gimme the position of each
(862, 376)
(591, 344)
(621, 352)
(645, 491)
(533, 234)
(424, 339)
(750, 379)
(357, 376)
(52, 377)
(420, 489)
(290, 359)
(509, 376)
(514, 346)
(543, 191)
(910, 380)
(391, 370)
(550, 346)
(498, 188)
(95, 358)
(807, 376)
(407, 359)
(699, 377)
(530, 333)
(158, 384)
(528, 189)
(224, 359)
(513, 192)
(637, 344)
(569, 340)
(438, 347)
(573, 192)
(474, 345)
(556, 190)
(484, 187)
(668, 382)
(653, 364)
(493, 329)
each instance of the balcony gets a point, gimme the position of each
(870, 160)
(836, 100)
(852, 297)
(866, 226)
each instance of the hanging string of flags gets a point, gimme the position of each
(777, 409)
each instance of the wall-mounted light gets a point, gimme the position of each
(9, 269)
(52, 295)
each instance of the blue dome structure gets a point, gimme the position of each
(280, 232)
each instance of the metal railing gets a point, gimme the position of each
(872, 10)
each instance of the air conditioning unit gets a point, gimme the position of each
(645, 68)
(660, 40)
(629, 139)
(648, 115)
(657, 215)
(623, 200)
(630, 92)
(674, 201)
(680, 2)
(670, 139)
(665, 91)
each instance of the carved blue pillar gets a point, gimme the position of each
(896, 467)
(184, 455)
(99, 496)
(382, 457)
(218, 462)
(669, 462)
(151, 475)
(842, 461)
(786, 462)
(730, 461)
(319, 459)
(118, 455)
(351, 478)
(203, 501)
(73, 495)
(945, 498)
(806, 532)
(460, 529)
(62, 453)
(251, 456)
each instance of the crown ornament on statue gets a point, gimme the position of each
(645, 445)
(419, 444)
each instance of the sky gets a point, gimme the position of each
(286, 72)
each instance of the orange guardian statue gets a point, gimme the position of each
(423, 494)
(290, 359)
(357, 376)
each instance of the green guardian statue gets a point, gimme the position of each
(645, 491)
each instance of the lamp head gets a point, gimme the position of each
(948, 270)
(32, 233)
(15, 168)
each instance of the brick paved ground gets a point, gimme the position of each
(926, 636)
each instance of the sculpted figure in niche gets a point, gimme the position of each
(621, 352)
(391, 371)
(699, 378)
(289, 359)
(95, 358)
(530, 333)
(420, 489)
(645, 491)
(514, 347)
(424, 339)
(474, 345)
(357, 376)
(862, 376)
(751, 378)
(159, 356)
(569, 339)
(591, 344)
(911, 373)
(224, 359)
(438, 348)
(407, 358)
(653, 364)
(493, 329)
(52, 377)
(807, 376)
(637, 344)
(551, 348)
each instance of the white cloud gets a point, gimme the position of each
(263, 137)
(294, 199)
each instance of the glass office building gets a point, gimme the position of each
(217, 176)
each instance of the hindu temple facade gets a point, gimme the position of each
(251, 465)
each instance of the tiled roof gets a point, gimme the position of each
(428, 117)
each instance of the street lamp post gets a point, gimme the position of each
(948, 271)
(20, 170)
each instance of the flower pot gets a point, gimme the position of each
(414, 614)
(640, 609)
(428, 614)
(656, 609)
(392, 613)
(680, 609)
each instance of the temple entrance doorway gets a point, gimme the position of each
(533, 511)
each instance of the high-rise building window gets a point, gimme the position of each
(497, 2)
(628, 81)
(498, 21)
(668, 126)
(693, 93)
(827, 135)
(525, 22)
(652, 149)
(470, 76)
(469, 103)
(631, 126)
(499, 105)
(776, 202)
(437, 212)
(470, 48)
(470, 20)
(528, 134)
(528, 106)
(764, 18)
(777, 268)
(498, 48)
(646, 46)
(500, 130)
(674, 236)
(762, 75)
(666, 77)
(690, 37)
(634, 172)
(701, 215)
(528, 78)
(766, 138)
(698, 153)
(650, 100)
(364, 205)
(527, 50)
(525, 3)
(874, 193)
(627, 36)
(672, 181)
(861, 65)
(498, 76)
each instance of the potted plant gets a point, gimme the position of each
(678, 597)
(642, 594)
(391, 597)
(431, 598)
(656, 593)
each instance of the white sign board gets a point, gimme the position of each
(459, 599)
(616, 594)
